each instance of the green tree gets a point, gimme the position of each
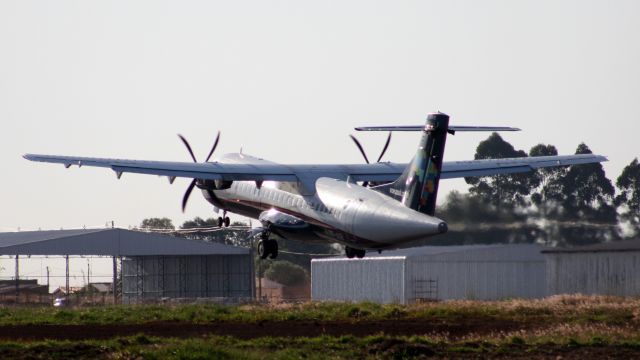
(545, 197)
(629, 199)
(207, 230)
(286, 273)
(475, 221)
(583, 197)
(506, 191)
(588, 193)
(157, 223)
(198, 222)
(546, 175)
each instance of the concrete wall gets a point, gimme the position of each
(603, 273)
(148, 278)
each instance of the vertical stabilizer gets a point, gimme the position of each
(417, 188)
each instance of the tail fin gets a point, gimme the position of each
(417, 187)
(419, 181)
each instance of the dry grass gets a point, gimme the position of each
(552, 311)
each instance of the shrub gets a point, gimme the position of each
(286, 273)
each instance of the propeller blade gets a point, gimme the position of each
(186, 143)
(215, 144)
(187, 193)
(359, 147)
(386, 146)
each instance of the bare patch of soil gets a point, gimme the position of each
(244, 330)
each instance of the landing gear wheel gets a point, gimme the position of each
(351, 252)
(220, 221)
(268, 248)
(227, 221)
(262, 251)
(273, 245)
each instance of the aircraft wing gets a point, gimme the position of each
(233, 171)
(212, 171)
(306, 173)
(488, 167)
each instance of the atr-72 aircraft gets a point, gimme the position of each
(364, 206)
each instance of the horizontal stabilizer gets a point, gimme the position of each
(482, 128)
(451, 129)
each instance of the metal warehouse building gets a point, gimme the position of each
(602, 269)
(153, 266)
(482, 272)
(212, 274)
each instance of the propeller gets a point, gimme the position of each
(187, 193)
(366, 159)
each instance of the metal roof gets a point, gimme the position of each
(111, 242)
(613, 246)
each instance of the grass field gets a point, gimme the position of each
(566, 326)
(556, 309)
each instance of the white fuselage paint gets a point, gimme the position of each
(339, 211)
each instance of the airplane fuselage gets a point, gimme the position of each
(338, 211)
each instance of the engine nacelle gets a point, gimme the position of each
(214, 184)
(222, 184)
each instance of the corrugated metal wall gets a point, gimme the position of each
(375, 279)
(603, 273)
(480, 273)
(211, 276)
(474, 272)
(433, 279)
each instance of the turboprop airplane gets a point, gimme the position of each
(393, 205)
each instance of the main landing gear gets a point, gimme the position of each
(267, 247)
(224, 220)
(351, 252)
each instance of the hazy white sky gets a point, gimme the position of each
(288, 80)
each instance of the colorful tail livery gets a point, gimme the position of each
(417, 187)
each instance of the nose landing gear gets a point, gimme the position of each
(351, 252)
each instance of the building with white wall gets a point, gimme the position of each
(481, 272)
(603, 269)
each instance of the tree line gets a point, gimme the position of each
(562, 206)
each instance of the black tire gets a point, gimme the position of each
(220, 221)
(273, 247)
(350, 252)
(262, 249)
(227, 221)
(360, 253)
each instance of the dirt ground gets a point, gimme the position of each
(249, 330)
(392, 348)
